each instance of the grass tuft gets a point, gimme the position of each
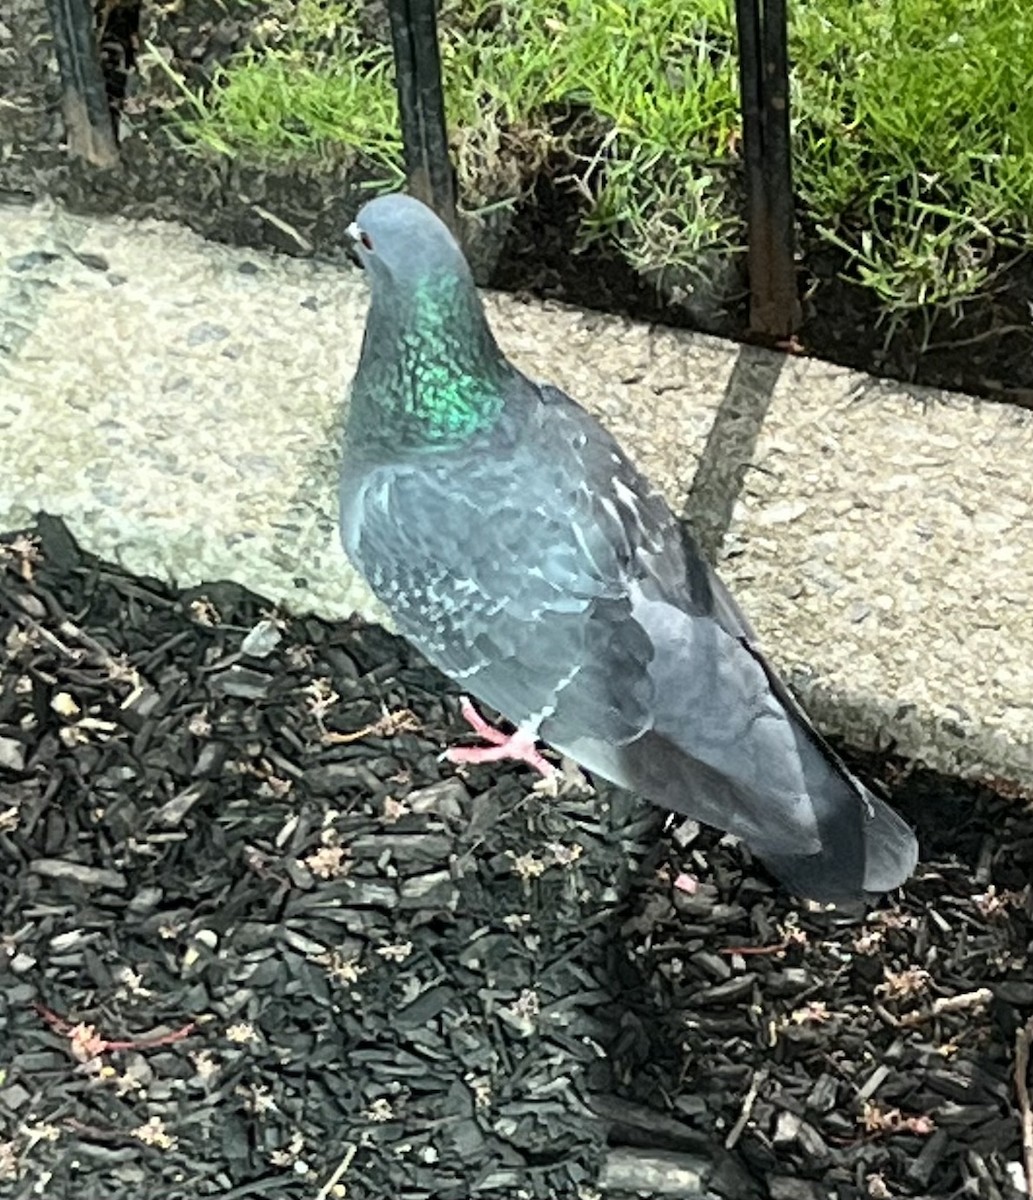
(914, 139)
(912, 121)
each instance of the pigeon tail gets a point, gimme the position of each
(837, 855)
(866, 848)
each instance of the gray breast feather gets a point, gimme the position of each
(481, 572)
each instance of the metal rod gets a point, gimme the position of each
(764, 92)
(421, 103)
(779, 171)
(84, 99)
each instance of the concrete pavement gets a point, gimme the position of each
(176, 402)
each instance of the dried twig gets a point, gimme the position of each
(339, 1172)
(87, 1044)
(942, 1006)
(962, 1002)
(777, 948)
(736, 1132)
(120, 670)
(1023, 1039)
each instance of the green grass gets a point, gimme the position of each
(313, 91)
(914, 139)
(912, 121)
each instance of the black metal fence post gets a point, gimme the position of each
(764, 88)
(84, 99)
(421, 101)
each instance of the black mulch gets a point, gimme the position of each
(228, 838)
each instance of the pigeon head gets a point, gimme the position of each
(430, 373)
(401, 242)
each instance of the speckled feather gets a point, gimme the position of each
(517, 546)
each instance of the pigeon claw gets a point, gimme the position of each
(514, 747)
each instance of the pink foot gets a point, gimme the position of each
(518, 747)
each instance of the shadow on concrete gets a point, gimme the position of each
(729, 450)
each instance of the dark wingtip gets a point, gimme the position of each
(891, 850)
(836, 876)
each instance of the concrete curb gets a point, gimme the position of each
(176, 402)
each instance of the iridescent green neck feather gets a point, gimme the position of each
(431, 375)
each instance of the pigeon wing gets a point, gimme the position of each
(490, 563)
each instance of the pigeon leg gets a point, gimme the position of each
(518, 747)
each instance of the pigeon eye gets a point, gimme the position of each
(366, 240)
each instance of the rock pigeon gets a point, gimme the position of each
(519, 549)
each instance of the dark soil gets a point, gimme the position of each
(989, 351)
(292, 211)
(333, 952)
